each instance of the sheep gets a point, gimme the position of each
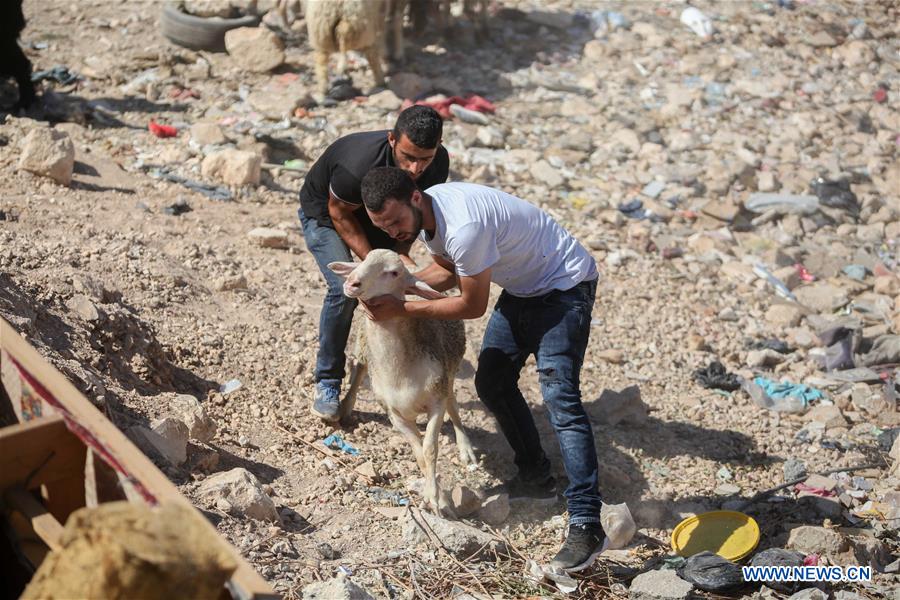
(411, 364)
(343, 25)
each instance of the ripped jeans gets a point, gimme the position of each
(555, 328)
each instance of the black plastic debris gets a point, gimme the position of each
(772, 344)
(633, 209)
(343, 89)
(715, 376)
(777, 557)
(840, 344)
(835, 194)
(179, 207)
(59, 74)
(711, 573)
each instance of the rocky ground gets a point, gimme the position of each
(653, 145)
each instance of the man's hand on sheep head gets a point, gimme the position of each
(382, 308)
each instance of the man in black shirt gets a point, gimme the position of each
(335, 222)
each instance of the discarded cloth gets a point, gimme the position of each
(715, 376)
(778, 390)
(835, 194)
(470, 102)
(336, 442)
(59, 74)
(816, 491)
(840, 344)
(885, 351)
(161, 131)
(216, 192)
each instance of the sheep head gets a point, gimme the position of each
(381, 273)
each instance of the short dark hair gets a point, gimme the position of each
(386, 183)
(422, 125)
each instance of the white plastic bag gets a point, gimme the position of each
(697, 21)
(618, 524)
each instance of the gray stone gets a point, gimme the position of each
(662, 584)
(232, 282)
(822, 297)
(172, 439)
(278, 101)
(495, 509)
(809, 539)
(254, 49)
(385, 100)
(764, 358)
(339, 588)
(810, 594)
(464, 501)
(409, 85)
(467, 115)
(460, 539)
(83, 307)
(207, 134)
(544, 173)
(618, 407)
(554, 19)
(269, 238)
(49, 153)
(793, 469)
(233, 167)
(490, 137)
(238, 492)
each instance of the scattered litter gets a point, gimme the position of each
(786, 204)
(618, 524)
(772, 344)
(232, 385)
(179, 207)
(698, 22)
(215, 192)
(780, 288)
(715, 376)
(336, 442)
(295, 164)
(345, 570)
(540, 573)
(781, 396)
(467, 109)
(60, 74)
(835, 194)
(653, 189)
(711, 573)
(162, 131)
(778, 557)
(857, 272)
(804, 274)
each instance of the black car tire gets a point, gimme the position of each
(199, 33)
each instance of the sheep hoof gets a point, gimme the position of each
(467, 456)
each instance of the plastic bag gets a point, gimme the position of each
(618, 524)
(710, 572)
(777, 557)
(697, 21)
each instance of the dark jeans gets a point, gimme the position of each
(555, 328)
(336, 317)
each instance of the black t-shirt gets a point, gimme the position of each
(342, 167)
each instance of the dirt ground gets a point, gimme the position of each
(165, 322)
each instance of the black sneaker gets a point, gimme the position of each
(583, 545)
(541, 491)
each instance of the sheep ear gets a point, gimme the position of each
(342, 269)
(420, 288)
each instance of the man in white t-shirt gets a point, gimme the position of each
(478, 235)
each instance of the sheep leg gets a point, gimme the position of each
(433, 494)
(322, 71)
(411, 433)
(466, 452)
(357, 373)
(373, 55)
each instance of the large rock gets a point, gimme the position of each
(233, 167)
(459, 539)
(625, 406)
(339, 588)
(189, 410)
(409, 85)
(784, 315)
(464, 501)
(809, 539)
(822, 296)
(168, 439)
(254, 48)
(207, 134)
(662, 584)
(238, 492)
(269, 238)
(49, 153)
(495, 509)
(543, 172)
(133, 551)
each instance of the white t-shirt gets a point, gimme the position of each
(529, 254)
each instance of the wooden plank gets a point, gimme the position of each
(246, 582)
(40, 451)
(43, 523)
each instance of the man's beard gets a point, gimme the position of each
(417, 225)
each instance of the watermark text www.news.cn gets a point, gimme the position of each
(807, 573)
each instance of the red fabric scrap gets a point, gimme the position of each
(880, 95)
(804, 274)
(471, 102)
(811, 560)
(162, 131)
(821, 492)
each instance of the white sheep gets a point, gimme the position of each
(343, 25)
(411, 364)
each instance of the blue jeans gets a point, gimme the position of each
(336, 317)
(555, 328)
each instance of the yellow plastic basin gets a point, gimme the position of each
(730, 534)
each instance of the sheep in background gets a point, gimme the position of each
(411, 364)
(343, 25)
